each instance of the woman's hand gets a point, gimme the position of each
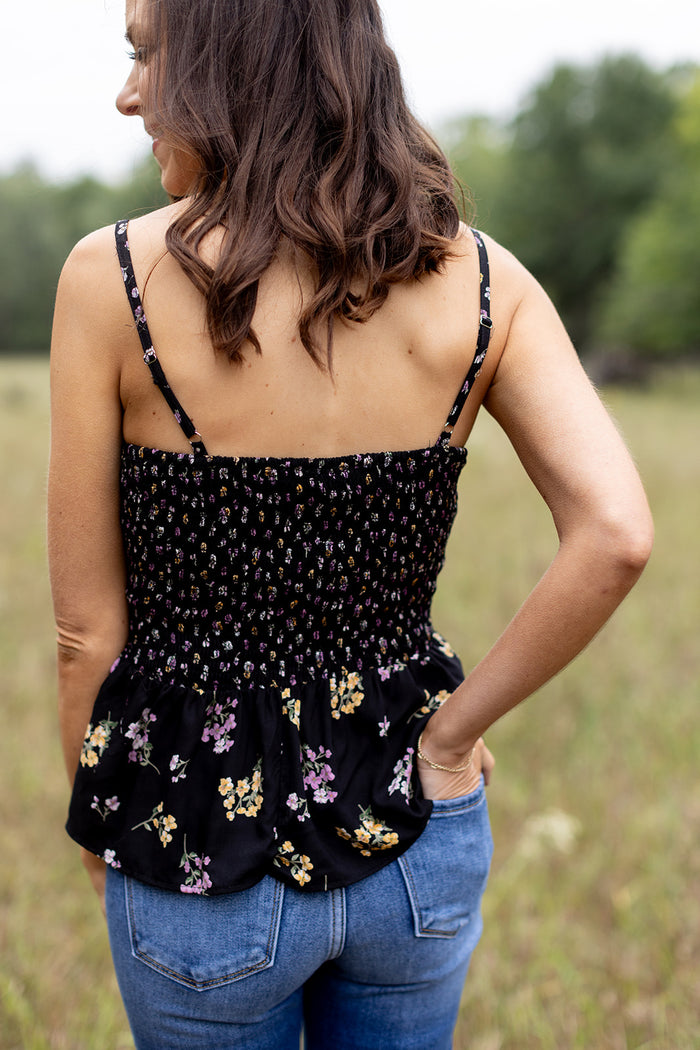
(438, 784)
(97, 870)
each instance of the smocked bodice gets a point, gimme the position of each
(283, 571)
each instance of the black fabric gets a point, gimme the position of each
(281, 662)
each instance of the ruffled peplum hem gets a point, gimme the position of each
(206, 791)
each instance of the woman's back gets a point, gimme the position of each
(273, 594)
(394, 378)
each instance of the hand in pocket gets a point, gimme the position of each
(436, 783)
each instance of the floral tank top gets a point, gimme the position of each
(281, 663)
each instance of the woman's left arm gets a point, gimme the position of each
(84, 539)
(574, 455)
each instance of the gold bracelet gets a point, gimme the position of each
(445, 769)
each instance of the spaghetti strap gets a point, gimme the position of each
(482, 342)
(149, 354)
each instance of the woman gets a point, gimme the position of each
(283, 772)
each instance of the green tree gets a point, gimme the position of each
(653, 305)
(588, 153)
(39, 224)
(477, 148)
(30, 254)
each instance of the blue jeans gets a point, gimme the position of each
(378, 965)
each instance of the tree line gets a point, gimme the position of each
(39, 224)
(594, 185)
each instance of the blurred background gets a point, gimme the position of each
(576, 132)
(576, 129)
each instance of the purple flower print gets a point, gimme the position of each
(402, 776)
(220, 724)
(111, 805)
(318, 774)
(178, 767)
(299, 806)
(138, 734)
(198, 880)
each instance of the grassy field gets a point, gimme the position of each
(592, 917)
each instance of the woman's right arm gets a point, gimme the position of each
(84, 539)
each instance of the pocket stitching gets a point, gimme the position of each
(412, 887)
(212, 982)
(419, 929)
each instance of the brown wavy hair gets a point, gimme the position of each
(296, 112)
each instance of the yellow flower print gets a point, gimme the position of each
(371, 835)
(246, 797)
(346, 694)
(443, 645)
(292, 706)
(432, 703)
(169, 824)
(164, 825)
(298, 863)
(98, 737)
(96, 742)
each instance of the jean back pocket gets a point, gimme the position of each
(204, 942)
(446, 869)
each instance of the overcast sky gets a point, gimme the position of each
(64, 60)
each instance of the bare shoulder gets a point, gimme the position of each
(509, 285)
(147, 233)
(508, 278)
(91, 260)
(91, 309)
(90, 296)
(155, 223)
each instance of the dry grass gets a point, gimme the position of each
(592, 941)
(593, 914)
